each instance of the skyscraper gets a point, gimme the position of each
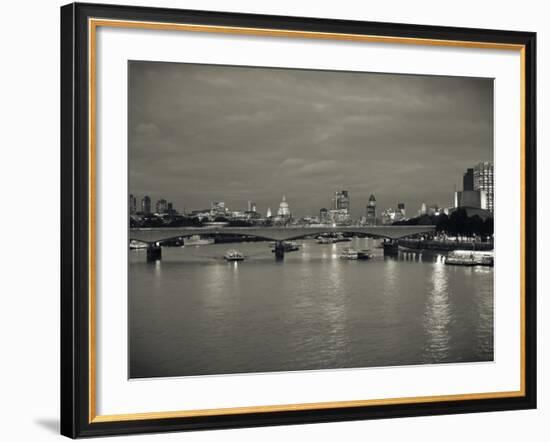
(483, 180)
(340, 201)
(146, 205)
(371, 211)
(162, 206)
(468, 180)
(401, 213)
(476, 199)
(251, 206)
(132, 205)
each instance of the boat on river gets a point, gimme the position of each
(332, 239)
(137, 245)
(365, 254)
(349, 253)
(196, 240)
(470, 258)
(233, 255)
(289, 246)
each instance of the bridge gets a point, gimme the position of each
(155, 237)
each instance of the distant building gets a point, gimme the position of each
(323, 216)
(371, 211)
(340, 200)
(423, 209)
(471, 211)
(132, 205)
(268, 214)
(252, 215)
(162, 206)
(400, 213)
(476, 199)
(339, 216)
(483, 180)
(204, 214)
(217, 208)
(477, 188)
(146, 205)
(434, 209)
(283, 214)
(251, 206)
(170, 209)
(388, 216)
(468, 180)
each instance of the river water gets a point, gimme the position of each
(195, 314)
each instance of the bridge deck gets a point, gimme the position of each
(276, 233)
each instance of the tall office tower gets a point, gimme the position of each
(468, 180)
(371, 211)
(251, 206)
(471, 198)
(146, 205)
(340, 201)
(162, 206)
(483, 180)
(132, 205)
(423, 209)
(401, 209)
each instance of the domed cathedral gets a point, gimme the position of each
(283, 213)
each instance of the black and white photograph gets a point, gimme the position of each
(290, 219)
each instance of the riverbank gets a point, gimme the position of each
(444, 246)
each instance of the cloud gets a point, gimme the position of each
(203, 132)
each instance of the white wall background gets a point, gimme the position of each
(29, 188)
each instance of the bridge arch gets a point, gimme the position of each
(162, 235)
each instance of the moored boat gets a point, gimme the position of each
(196, 240)
(289, 246)
(365, 254)
(470, 258)
(342, 238)
(349, 253)
(137, 245)
(485, 258)
(233, 255)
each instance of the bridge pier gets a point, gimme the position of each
(279, 250)
(391, 247)
(154, 252)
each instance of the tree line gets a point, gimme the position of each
(457, 224)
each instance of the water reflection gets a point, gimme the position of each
(193, 313)
(437, 316)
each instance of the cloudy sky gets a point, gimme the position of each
(202, 133)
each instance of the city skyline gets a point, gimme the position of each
(341, 199)
(258, 134)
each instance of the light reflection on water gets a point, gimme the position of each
(193, 313)
(437, 316)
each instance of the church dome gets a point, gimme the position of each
(283, 208)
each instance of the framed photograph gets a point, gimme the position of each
(275, 220)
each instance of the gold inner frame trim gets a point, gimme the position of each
(93, 24)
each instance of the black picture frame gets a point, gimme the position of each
(75, 220)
